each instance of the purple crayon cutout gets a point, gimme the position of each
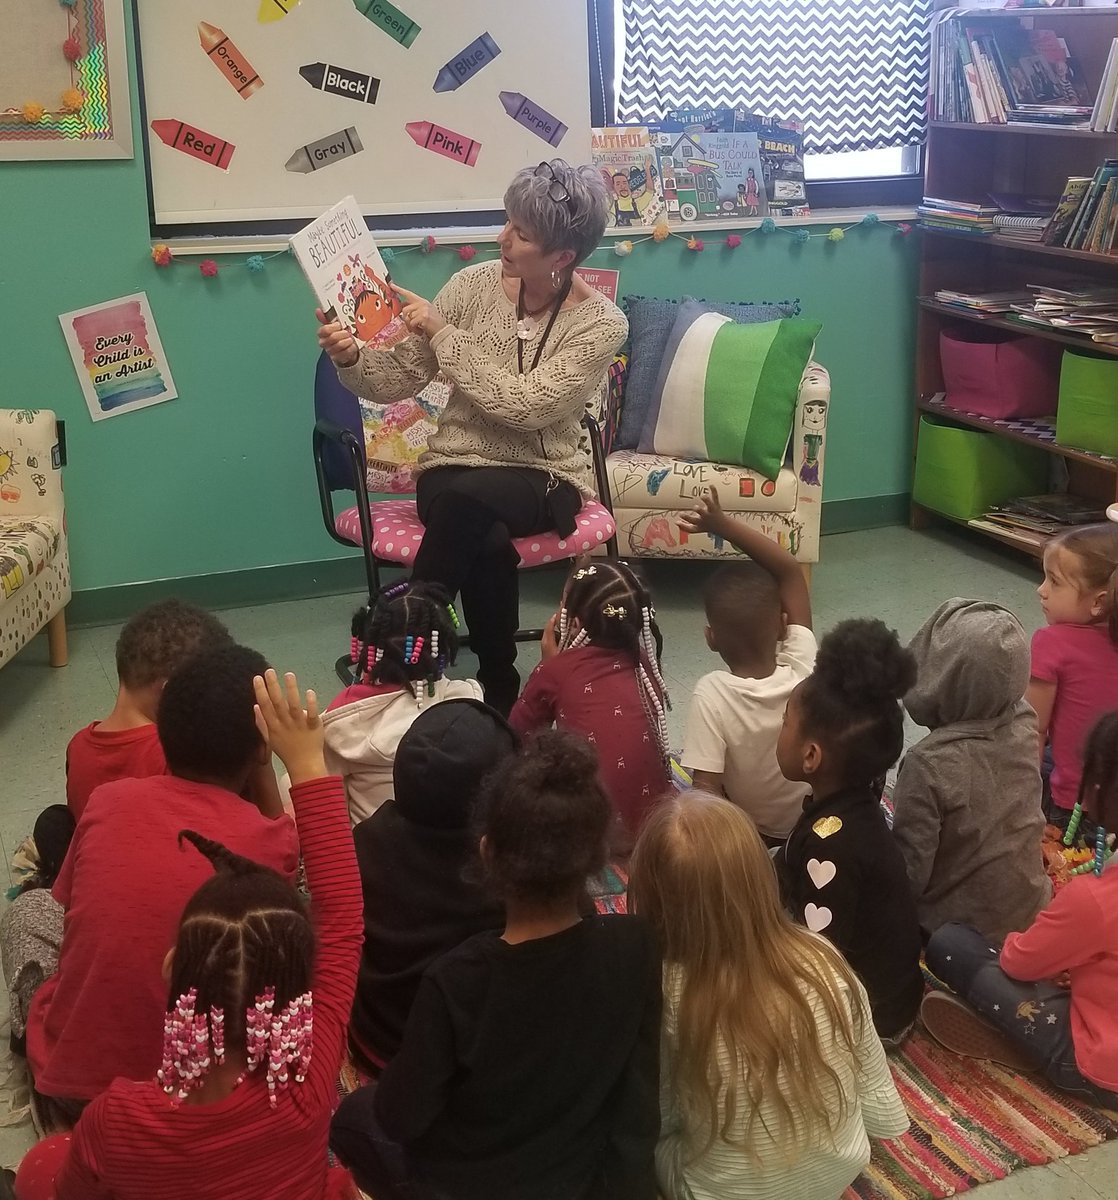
(466, 63)
(529, 114)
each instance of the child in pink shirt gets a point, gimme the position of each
(1074, 676)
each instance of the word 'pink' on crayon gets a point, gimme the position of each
(443, 141)
(195, 142)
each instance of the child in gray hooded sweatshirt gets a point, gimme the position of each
(968, 816)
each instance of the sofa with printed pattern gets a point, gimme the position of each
(34, 562)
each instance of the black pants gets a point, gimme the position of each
(380, 1166)
(470, 515)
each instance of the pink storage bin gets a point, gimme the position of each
(998, 374)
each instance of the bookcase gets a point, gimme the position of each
(967, 162)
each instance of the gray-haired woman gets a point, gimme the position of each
(525, 343)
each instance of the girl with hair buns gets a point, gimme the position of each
(525, 344)
(599, 676)
(842, 873)
(257, 1010)
(772, 1079)
(529, 1062)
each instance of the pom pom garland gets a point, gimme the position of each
(32, 111)
(71, 49)
(623, 249)
(73, 99)
(800, 235)
(161, 255)
(428, 244)
(662, 232)
(768, 225)
(695, 245)
(836, 235)
(208, 267)
(387, 253)
(465, 253)
(255, 262)
(870, 219)
(733, 241)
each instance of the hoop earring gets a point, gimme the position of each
(556, 279)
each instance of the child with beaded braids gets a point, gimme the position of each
(401, 646)
(256, 1014)
(599, 676)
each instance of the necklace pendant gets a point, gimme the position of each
(524, 328)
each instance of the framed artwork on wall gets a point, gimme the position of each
(64, 81)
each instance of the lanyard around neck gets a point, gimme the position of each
(564, 293)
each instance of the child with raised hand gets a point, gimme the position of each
(125, 745)
(599, 676)
(1048, 997)
(256, 1014)
(1075, 657)
(772, 1079)
(401, 646)
(759, 620)
(529, 1062)
(842, 872)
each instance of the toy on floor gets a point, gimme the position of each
(1066, 855)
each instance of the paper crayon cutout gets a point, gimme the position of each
(340, 82)
(195, 142)
(466, 64)
(529, 114)
(229, 60)
(443, 141)
(274, 10)
(330, 149)
(388, 17)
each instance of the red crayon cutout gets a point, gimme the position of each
(443, 141)
(195, 142)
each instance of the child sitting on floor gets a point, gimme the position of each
(1075, 657)
(1049, 996)
(772, 1077)
(599, 676)
(126, 879)
(529, 1063)
(967, 799)
(415, 853)
(759, 621)
(842, 872)
(125, 745)
(401, 647)
(241, 1106)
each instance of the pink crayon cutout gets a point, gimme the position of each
(443, 141)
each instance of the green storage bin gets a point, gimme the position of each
(1087, 415)
(963, 472)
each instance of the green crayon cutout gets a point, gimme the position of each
(397, 25)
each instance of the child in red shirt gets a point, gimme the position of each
(1049, 996)
(125, 745)
(599, 676)
(241, 1106)
(126, 878)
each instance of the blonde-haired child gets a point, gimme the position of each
(772, 1078)
(1074, 676)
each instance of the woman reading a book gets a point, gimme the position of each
(525, 344)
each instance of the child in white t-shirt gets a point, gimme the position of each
(759, 620)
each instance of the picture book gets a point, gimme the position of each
(709, 175)
(781, 145)
(1071, 198)
(340, 259)
(626, 158)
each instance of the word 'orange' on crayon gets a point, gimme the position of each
(195, 142)
(229, 60)
(443, 141)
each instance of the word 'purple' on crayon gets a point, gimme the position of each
(443, 141)
(466, 64)
(529, 114)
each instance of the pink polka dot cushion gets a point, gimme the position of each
(397, 532)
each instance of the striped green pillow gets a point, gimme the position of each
(726, 392)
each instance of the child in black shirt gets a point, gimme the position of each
(530, 1062)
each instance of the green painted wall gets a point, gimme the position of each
(220, 479)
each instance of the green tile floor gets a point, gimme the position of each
(893, 574)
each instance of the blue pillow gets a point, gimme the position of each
(650, 325)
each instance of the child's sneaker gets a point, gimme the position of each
(961, 1030)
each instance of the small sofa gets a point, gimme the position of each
(34, 558)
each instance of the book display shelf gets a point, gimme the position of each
(968, 161)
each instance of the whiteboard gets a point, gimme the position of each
(542, 58)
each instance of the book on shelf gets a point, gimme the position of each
(1022, 537)
(1104, 114)
(989, 303)
(1062, 508)
(963, 216)
(1056, 229)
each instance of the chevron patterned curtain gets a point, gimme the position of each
(855, 72)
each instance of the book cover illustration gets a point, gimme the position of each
(626, 158)
(340, 259)
(781, 145)
(709, 175)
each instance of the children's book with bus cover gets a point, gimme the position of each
(627, 160)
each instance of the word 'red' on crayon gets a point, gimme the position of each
(195, 142)
(330, 149)
(229, 60)
(340, 82)
(443, 141)
(274, 10)
(466, 64)
(397, 25)
(529, 114)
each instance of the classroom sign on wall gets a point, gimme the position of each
(118, 356)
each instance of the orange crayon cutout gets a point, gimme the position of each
(229, 60)
(195, 142)
(443, 141)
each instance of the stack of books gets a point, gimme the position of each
(1085, 309)
(990, 304)
(957, 216)
(1086, 217)
(1033, 519)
